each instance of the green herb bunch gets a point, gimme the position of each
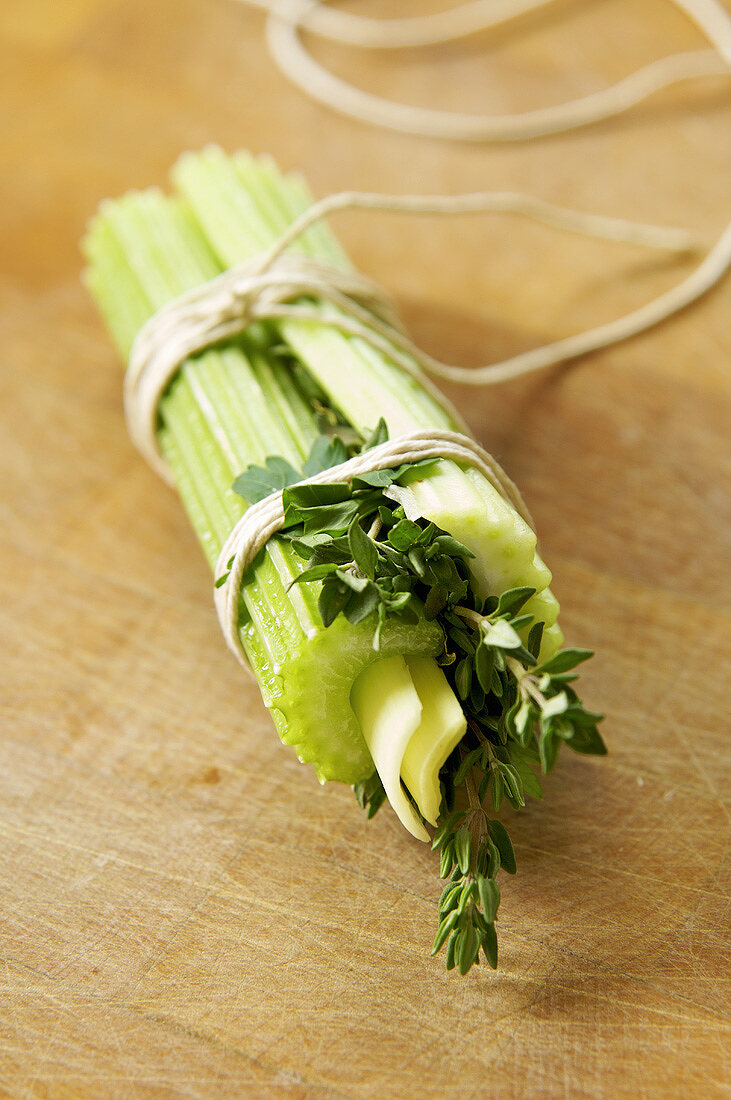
(373, 561)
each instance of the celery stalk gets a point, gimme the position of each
(226, 409)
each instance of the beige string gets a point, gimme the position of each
(287, 17)
(264, 519)
(264, 287)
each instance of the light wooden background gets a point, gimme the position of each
(183, 911)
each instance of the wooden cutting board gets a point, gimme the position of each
(184, 912)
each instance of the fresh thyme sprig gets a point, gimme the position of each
(373, 561)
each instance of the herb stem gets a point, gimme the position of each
(526, 681)
(375, 528)
(469, 614)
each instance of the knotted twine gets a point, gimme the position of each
(279, 285)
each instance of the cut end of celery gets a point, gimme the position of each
(309, 693)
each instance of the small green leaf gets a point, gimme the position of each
(468, 949)
(497, 788)
(316, 573)
(329, 551)
(305, 545)
(467, 892)
(325, 452)
(352, 579)
(489, 897)
(445, 544)
(463, 677)
(446, 860)
(435, 601)
(378, 436)
(416, 559)
(332, 600)
(445, 928)
(463, 849)
(509, 718)
(535, 637)
(370, 794)
(361, 604)
(557, 704)
(451, 950)
(363, 550)
(503, 843)
(510, 602)
(521, 622)
(513, 783)
(588, 741)
(404, 534)
(462, 639)
(427, 534)
(468, 762)
(257, 482)
(315, 496)
(335, 519)
(565, 660)
(580, 716)
(523, 717)
(497, 680)
(445, 828)
(450, 897)
(477, 696)
(484, 666)
(493, 863)
(374, 479)
(489, 945)
(442, 570)
(501, 634)
(548, 746)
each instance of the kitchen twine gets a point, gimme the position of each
(278, 285)
(286, 18)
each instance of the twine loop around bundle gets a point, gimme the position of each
(223, 308)
(266, 518)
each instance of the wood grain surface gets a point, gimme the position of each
(184, 912)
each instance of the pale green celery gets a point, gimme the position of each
(243, 204)
(389, 710)
(411, 721)
(442, 727)
(224, 410)
(502, 542)
(237, 227)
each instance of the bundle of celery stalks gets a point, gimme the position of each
(401, 628)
